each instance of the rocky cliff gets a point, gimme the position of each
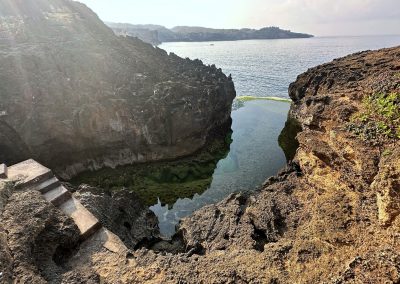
(196, 34)
(331, 216)
(74, 96)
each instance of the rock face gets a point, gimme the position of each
(34, 235)
(121, 212)
(75, 97)
(330, 217)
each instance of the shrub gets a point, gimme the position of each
(379, 117)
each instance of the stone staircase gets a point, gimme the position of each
(32, 175)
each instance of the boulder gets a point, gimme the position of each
(121, 212)
(38, 238)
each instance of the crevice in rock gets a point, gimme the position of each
(146, 243)
(174, 246)
(260, 238)
(279, 221)
(198, 250)
(128, 226)
(62, 254)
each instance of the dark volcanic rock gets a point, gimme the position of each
(74, 96)
(243, 222)
(237, 223)
(33, 236)
(331, 216)
(6, 261)
(122, 212)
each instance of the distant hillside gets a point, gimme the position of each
(143, 33)
(156, 34)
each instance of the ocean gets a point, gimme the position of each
(266, 67)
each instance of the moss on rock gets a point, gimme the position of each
(166, 181)
(378, 119)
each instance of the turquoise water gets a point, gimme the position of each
(260, 68)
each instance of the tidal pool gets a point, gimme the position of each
(254, 156)
(241, 161)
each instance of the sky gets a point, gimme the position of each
(318, 17)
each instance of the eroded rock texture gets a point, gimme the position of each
(75, 97)
(330, 217)
(122, 212)
(34, 238)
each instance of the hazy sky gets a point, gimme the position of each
(319, 17)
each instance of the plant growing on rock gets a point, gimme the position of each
(379, 117)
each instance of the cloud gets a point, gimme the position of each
(321, 17)
(348, 16)
(346, 10)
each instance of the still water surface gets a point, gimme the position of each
(267, 67)
(253, 156)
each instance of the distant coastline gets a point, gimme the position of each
(155, 34)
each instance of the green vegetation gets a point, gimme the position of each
(239, 101)
(253, 98)
(387, 152)
(166, 181)
(379, 118)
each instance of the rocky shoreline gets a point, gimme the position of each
(330, 216)
(323, 219)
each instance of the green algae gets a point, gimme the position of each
(253, 98)
(164, 181)
(240, 101)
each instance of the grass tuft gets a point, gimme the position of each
(379, 117)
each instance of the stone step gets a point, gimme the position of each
(3, 171)
(48, 185)
(28, 173)
(86, 221)
(109, 240)
(57, 195)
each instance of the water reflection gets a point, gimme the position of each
(166, 181)
(254, 156)
(287, 139)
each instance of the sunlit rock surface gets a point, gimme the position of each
(74, 96)
(330, 217)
